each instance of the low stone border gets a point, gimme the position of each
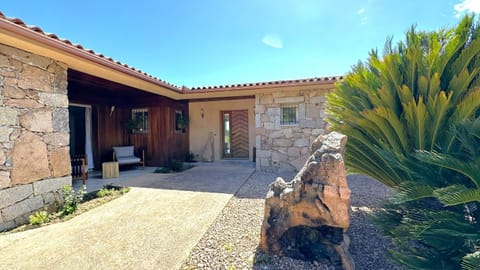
(90, 201)
(17, 203)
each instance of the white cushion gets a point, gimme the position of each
(123, 151)
(128, 160)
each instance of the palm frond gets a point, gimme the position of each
(469, 170)
(471, 261)
(420, 261)
(434, 87)
(416, 116)
(466, 108)
(463, 61)
(460, 84)
(438, 108)
(410, 191)
(457, 195)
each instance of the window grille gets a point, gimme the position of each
(140, 120)
(289, 114)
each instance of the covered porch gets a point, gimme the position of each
(103, 114)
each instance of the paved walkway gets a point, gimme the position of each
(154, 226)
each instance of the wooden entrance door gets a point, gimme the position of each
(235, 134)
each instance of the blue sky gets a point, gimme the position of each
(216, 42)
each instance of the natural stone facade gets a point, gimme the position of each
(308, 217)
(285, 147)
(34, 147)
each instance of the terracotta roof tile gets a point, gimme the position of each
(280, 82)
(39, 30)
(184, 89)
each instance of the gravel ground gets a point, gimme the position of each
(232, 241)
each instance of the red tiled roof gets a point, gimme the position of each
(39, 30)
(148, 77)
(315, 80)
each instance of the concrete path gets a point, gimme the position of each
(154, 226)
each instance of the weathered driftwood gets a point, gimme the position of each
(308, 217)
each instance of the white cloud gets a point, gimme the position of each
(272, 40)
(467, 6)
(363, 16)
(364, 20)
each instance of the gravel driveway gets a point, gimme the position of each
(232, 241)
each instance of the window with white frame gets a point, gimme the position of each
(140, 120)
(289, 114)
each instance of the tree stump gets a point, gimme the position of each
(308, 217)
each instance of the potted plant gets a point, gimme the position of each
(181, 122)
(133, 124)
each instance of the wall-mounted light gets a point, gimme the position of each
(112, 109)
(202, 113)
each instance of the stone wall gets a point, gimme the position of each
(286, 147)
(34, 133)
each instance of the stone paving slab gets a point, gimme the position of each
(147, 228)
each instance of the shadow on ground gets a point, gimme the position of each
(217, 177)
(267, 261)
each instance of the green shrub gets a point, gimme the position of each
(190, 157)
(412, 121)
(176, 165)
(124, 190)
(71, 200)
(105, 192)
(162, 170)
(39, 218)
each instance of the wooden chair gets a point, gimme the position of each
(79, 167)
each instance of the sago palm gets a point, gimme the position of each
(443, 222)
(411, 116)
(407, 99)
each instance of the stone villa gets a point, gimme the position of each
(58, 99)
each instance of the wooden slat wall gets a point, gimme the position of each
(162, 143)
(109, 130)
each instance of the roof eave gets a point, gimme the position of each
(240, 91)
(28, 34)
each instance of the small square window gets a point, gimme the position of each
(289, 114)
(139, 121)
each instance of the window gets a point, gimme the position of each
(181, 121)
(289, 114)
(139, 121)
